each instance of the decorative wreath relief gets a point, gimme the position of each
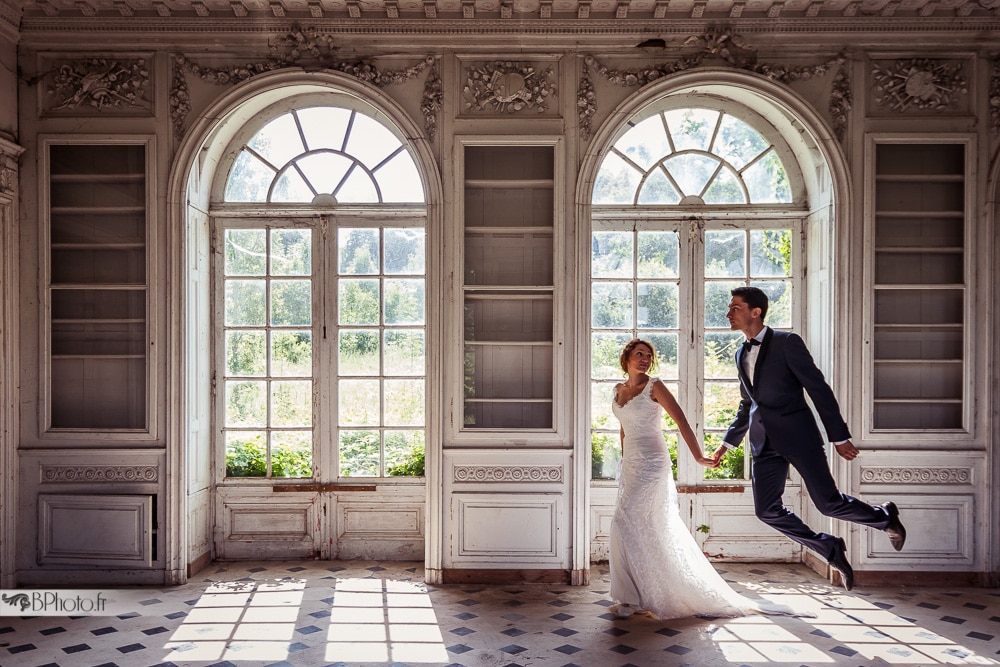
(509, 87)
(919, 84)
(101, 83)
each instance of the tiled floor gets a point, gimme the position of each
(364, 613)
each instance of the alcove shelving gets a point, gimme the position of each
(508, 286)
(97, 286)
(919, 267)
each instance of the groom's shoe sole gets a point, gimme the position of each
(895, 529)
(838, 561)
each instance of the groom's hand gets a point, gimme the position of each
(717, 456)
(847, 450)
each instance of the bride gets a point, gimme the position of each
(656, 565)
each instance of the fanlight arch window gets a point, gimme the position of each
(691, 157)
(324, 155)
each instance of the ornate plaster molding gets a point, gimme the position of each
(908, 475)
(506, 86)
(714, 45)
(100, 473)
(502, 473)
(919, 83)
(841, 102)
(301, 47)
(995, 96)
(99, 84)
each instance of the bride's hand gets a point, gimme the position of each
(707, 461)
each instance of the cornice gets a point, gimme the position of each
(10, 20)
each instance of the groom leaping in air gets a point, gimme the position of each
(776, 371)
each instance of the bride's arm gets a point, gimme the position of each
(663, 396)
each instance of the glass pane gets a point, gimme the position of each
(399, 180)
(358, 352)
(657, 305)
(370, 141)
(291, 454)
(737, 142)
(358, 251)
(616, 182)
(359, 402)
(404, 453)
(611, 305)
(725, 254)
(666, 355)
(779, 302)
(324, 171)
(404, 352)
(692, 128)
(291, 403)
(245, 355)
(291, 252)
(602, 395)
(726, 188)
(358, 302)
(404, 301)
(246, 252)
(659, 255)
(404, 403)
(722, 400)
(324, 127)
(246, 403)
(246, 454)
(733, 461)
(605, 352)
(605, 454)
(770, 252)
(245, 303)
(291, 303)
(646, 142)
(291, 187)
(767, 181)
(249, 180)
(359, 453)
(691, 172)
(611, 255)
(717, 298)
(291, 353)
(658, 190)
(720, 354)
(279, 141)
(358, 188)
(404, 250)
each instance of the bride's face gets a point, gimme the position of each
(640, 360)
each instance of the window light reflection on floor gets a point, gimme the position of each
(375, 620)
(864, 630)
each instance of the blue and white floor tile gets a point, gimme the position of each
(365, 613)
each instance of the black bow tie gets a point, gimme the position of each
(750, 342)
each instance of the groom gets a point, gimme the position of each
(776, 371)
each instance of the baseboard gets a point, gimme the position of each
(929, 579)
(490, 576)
(199, 564)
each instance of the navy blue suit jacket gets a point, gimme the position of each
(774, 407)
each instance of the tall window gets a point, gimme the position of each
(322, 355)
(688, 203)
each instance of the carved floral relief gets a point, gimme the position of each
(919, 84)
(508, 87)
(98, 85)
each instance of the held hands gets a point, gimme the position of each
(709, 461)
(847, 450)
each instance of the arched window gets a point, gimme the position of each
(320, 282)
(689, 202)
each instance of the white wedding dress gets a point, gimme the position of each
(656, 565)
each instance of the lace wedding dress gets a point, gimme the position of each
(656, 565)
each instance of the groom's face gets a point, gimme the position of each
(740, 315)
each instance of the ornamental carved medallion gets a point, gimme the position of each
(502, 473)
(919, 84)
(508, 87)
(100, 473)
(927, 475)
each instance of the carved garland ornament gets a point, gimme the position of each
(303, 48)
(840, 103)
(508, 87)
(102, 84)
(918, 83)
(85, 473)
(714, 43)
(500, 473)
(995, 96)
(916, 475)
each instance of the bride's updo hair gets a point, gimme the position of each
(627, 352)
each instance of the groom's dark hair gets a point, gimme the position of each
(754, 297)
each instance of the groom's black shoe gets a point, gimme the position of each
(895, 529)
(838, 561)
